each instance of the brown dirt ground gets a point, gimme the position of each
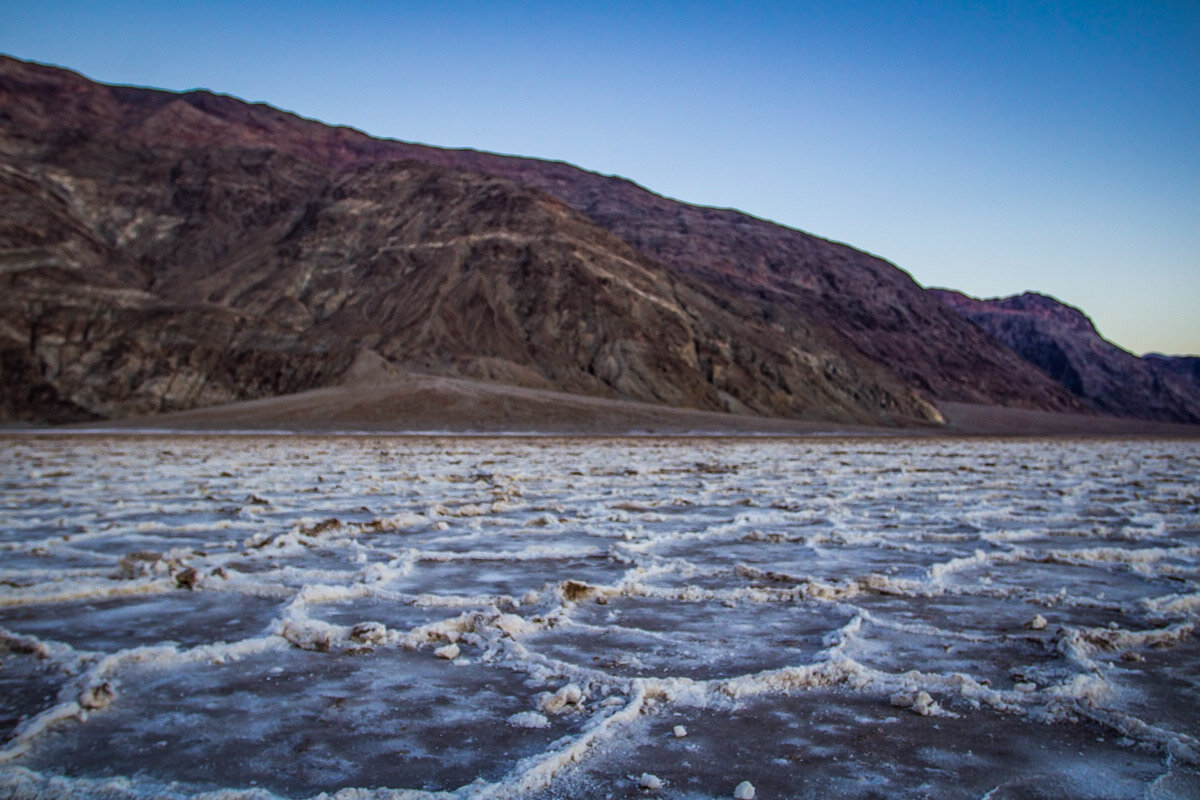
(423, 403)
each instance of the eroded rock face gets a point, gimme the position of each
(1062, 341)
(163, 251)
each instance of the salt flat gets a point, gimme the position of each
(285, 616)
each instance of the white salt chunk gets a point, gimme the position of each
(651, 782)
(1025, 687)
(679, 731)
(924, 704)
(744, 791)
(920, 703)
(528, 719)
(449, 652)
(513, 625)
(1038, 623)
(569, 695)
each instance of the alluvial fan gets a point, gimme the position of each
(291, 616)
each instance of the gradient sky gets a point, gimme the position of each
(988, 147)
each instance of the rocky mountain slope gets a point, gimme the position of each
(1063, 342)
(163, 251)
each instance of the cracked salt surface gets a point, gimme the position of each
(391, 617)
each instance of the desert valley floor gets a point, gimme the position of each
(534, 617)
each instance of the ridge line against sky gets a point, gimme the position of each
(989, 147)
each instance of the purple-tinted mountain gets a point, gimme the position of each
(1182, 368)
(1062, 341)
(162, 251)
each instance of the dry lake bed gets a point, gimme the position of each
(524, 617)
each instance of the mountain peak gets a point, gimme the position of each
(1027, 304)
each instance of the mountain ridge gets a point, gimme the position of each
(148, 182)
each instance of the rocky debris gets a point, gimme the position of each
(573, 591)
(187, 578)
(369, 632)
(98, 697)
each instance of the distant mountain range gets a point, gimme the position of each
(1062, 341)
(164, 251)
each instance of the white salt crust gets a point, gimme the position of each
(574, 547)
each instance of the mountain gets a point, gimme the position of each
(1063, 342)
(162, 251)
(1181, 368)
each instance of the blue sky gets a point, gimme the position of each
(988, 147)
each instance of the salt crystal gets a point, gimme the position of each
(651, 782)
(744, 791)
(513, 625)
(680, 731)
(923, 704)
(449, 652)
(569, 695)
(1038, 623)
(528, 719)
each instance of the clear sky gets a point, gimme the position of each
(988, 147)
